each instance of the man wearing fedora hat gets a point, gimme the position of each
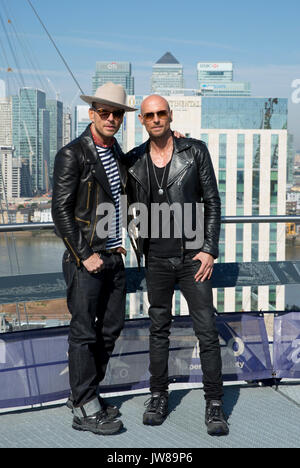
(89, 172)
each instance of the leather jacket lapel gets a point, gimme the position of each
(100, 174)
(122, 169)
(92, 157)
(179, 162)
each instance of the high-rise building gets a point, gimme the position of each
(67, 128)
(216, 79)
(115, 72)
(43, 162)
(81, 119)
(6, 121)
(167, 76)
(248, 142)
(10, 174)
(31, 127)
(2, 89)
(55, 109)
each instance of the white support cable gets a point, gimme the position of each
(55, 46)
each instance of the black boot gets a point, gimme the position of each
(215, 419)
(91, 417)
(157, 409)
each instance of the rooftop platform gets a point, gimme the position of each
(259, 417)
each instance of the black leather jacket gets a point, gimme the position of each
(80, 184)
(191, 180)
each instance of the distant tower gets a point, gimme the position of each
(56, 114)
(216, 79)
(30, 131)
(2, 89)
(167, 75)
(116, 72)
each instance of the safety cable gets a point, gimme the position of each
(54, 44)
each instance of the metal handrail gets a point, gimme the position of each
(19, 227)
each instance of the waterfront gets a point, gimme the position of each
(42, 253)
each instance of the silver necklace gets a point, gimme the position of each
(160, 189)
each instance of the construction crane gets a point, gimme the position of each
(57, 94)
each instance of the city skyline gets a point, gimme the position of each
(269, 61)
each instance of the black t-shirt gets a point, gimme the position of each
(162, 241)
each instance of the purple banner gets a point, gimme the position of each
(34, 365)
(244, 346)
(286, 347)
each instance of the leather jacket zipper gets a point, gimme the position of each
(73, 252)
(89, 195)
(83, 221)
(180, 175)
(94, 228)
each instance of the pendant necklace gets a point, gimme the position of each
(160, 187)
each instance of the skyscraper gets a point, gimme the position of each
(81, 119)
(167, 75)
(2, 89)
(67, 127)
(30, 121)
(5, 121)
(116, 72)
(55, 109)
(216, 79)
(10, 174)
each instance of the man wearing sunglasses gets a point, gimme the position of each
(168, 170)
(88, 173)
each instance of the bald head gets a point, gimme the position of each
(156, 116)
(154, 102)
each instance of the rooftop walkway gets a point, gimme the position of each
(259, 417)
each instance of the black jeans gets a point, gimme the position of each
(97, 305)
(162, 274)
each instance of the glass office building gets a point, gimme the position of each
(244, 113)
(167, 75)
(214, 72)
(248, 141)
(30, 130)
(116, 72)
(216, 79)
(55, 109)
(236, 88)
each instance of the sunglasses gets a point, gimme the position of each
(104, 114)
(163, 114)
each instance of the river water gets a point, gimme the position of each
(42, 253)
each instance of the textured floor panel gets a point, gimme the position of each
(258, 417)
(291, 392)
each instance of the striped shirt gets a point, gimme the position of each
(111, 168)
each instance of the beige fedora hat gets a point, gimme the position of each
(109, 94)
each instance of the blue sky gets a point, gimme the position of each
(260, 37)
